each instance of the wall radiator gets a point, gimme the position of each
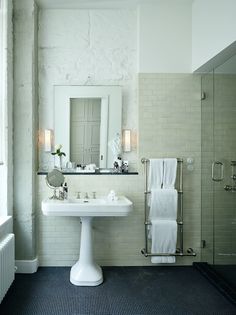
(7, 264)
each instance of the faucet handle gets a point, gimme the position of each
(61, 195)
(94, 194)
(78, 195)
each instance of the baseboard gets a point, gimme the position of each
(27, 266)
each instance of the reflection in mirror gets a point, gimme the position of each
(54, 180)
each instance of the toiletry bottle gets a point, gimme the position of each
(61, 192)
(65, 191)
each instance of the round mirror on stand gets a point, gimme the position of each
(55, 179)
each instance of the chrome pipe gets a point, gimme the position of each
(145, 206)
(146, 254)
(213, 166)
(180, 252)
(144, 160)
(181, 214)
(148, 192)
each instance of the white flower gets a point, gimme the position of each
(58, 147)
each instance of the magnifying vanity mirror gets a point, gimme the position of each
(87, 118)
(55, 179)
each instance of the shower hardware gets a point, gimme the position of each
(179, 251)
(213, 167)
(230, 188)
(203, 96)
(233, 175)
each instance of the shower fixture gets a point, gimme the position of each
(232, 187)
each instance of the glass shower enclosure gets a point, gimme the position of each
(219, 170)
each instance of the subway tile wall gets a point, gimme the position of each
(169, 126)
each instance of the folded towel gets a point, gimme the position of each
(169, 176)
(164, 238)
(163, 204)
(155, 174)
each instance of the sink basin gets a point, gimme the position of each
(100, 207)
(86, 272)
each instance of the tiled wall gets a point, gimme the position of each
(118, 241)
(169, 126)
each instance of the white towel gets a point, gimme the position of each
(164, 238)
(169, 176)
(155, 174)
(163, 204)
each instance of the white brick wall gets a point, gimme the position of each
(75, 44)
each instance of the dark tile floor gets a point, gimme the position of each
(125, 291)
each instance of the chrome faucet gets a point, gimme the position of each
(86, 196)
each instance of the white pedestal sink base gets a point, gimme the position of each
(86, 272)
(90, 275)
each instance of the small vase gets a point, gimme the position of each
(58, 163)
(60, 157)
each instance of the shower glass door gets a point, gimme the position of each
(219, 169)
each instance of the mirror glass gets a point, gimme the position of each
(55, 179)
(85, 121)
(87, 118)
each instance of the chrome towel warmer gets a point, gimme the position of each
(180, 250)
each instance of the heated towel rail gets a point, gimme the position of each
(180, 250)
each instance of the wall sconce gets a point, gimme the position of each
(126, 140)
(48, 140)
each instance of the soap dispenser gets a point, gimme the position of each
(65, 191)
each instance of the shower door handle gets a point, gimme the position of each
(221, 165)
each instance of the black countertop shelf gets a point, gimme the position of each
(74, 173)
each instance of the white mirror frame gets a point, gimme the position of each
(111, 112)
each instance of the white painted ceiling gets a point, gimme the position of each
(80, 4)
(96, 4)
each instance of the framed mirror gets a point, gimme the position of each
(87, 118)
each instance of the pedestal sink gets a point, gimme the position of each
(86, 272)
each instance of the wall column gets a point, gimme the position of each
(25, 123)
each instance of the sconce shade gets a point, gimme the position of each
(126, 140)
(47, 140)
